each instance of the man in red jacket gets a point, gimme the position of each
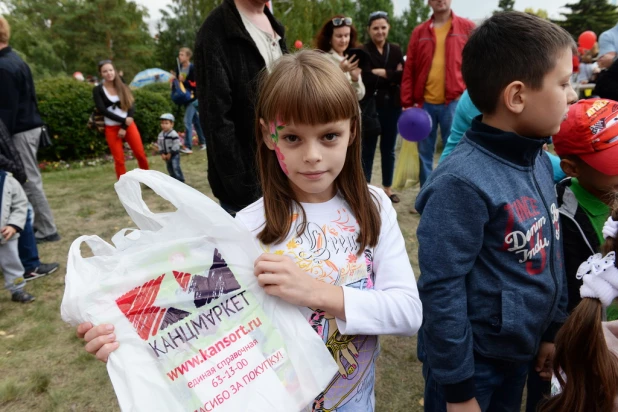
(432, 74)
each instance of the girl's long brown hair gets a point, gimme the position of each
(591, 369)
(307, 88)
(124, 93)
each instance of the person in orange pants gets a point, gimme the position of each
(115, 101)
(115, 142)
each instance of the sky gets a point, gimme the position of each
(472, 9)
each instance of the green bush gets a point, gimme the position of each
(149, 106)
(66, 104)
(164, 90)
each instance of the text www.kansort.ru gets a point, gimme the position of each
(217, 347)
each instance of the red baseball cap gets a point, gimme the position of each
(591, 133)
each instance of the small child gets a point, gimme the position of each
(492, 277)
(13, 212)
(588, 149)
(169, 146)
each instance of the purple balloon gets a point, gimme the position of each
(414, 124)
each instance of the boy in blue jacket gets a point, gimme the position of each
(492, 278)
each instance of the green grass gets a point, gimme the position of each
(43, 365)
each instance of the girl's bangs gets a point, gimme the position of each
(315, 92)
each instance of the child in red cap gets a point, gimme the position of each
(588, 148)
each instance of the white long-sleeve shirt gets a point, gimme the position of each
(380, 293)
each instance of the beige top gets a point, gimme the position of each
(359, 87)
(267, 44)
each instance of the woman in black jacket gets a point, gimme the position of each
(382, 80)
(114, 100)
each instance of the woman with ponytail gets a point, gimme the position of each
(114, 100)
(586, 359)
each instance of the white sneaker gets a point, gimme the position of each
(203, 147)
(185, 150)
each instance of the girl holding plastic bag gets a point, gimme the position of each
(586, 360)
(331, 243)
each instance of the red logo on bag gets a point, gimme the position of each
(148, 320)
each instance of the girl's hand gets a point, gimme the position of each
(379, 72)
(122, 133)
(279, 276)
(8, 232)
(100, 340)
(129, 121)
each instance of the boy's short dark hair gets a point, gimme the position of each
(507, 47)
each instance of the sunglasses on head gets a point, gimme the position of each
(342, 21)
(104, 62)
(378, 15)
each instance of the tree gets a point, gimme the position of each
(70, 35)
(178, 28)
(506, 5)
(32, 35)
(539, 12)
(402, 26)
(595, 15)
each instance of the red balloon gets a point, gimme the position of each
(298, 44)
(587, 39)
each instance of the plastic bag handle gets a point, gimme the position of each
(122, 241)
(130, 195)
(80, 276)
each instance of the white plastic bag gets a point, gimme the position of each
(196, 331)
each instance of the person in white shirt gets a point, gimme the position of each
(336, 37)
(331, 243)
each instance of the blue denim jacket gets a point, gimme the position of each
(492, 278)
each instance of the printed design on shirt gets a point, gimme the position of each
(138, 305)
(329, 253)
(354, 355)
(530, 244)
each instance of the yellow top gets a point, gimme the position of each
(435, 86)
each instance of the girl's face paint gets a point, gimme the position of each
(275, 128)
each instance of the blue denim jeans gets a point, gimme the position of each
(173, 167)
(28, 251)
(192, 119)
(388, 123)
(441, 115)
(499, 386)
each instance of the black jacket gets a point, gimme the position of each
(607, 83)
(102, 103)
(580, 240)
(9, 158)
(227, 64)
(387, 89)
(18, 105)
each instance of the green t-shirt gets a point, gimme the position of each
(597, 213)
(595, 209)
